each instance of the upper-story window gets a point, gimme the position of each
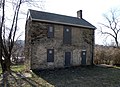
(66, 35)
(50, 31)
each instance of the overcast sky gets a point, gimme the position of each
(93, 10)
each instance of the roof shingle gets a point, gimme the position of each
(61, 19)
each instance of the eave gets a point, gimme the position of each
(62, 23)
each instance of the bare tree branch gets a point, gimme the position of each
(8, 35)
(113, 25)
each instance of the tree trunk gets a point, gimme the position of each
(1, 51)
(1, 60)
(117, 45)
(5, 64)
(8, 64)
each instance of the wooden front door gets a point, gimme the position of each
(50, 55)
(83, 55)
(67, 59)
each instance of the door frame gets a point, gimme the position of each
(67, 62)
(83, 56)
(50, 55)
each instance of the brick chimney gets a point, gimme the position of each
(79, 14)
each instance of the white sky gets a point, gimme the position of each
(92, 10)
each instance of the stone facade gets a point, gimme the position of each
(37, 43)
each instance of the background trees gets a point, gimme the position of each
(107, 55)
(110, 27)
(9, 27)
(17, 56)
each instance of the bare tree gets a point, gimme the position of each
(18, 52)
(8, 36)
(1, 29)
(112, 26)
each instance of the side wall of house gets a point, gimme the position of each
(28, 45)
(81, 40)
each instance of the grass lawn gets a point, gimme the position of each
(72, 77)
(80, 77)
(16, 68)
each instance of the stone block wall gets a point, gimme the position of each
(39, 43)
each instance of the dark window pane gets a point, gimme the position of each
(50, 31)
(67, 35)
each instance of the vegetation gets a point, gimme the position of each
(17, 68)
(87, 76)
(107, 55)
(80, 77)
(8, 35)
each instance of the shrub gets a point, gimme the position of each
(116, 57)
(107, 55)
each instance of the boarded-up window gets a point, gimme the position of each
(67, 35)
(50, 55)
(50, 31)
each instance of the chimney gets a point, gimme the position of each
(79, 14)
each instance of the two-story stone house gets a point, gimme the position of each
(55, 41)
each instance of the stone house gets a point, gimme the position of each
(56, 41)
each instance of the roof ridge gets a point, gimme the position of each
(56, 14)
(59, 19)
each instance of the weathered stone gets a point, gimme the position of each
(37, 44)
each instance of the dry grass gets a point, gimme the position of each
(80, 77)
(71, 77)
(107, 55)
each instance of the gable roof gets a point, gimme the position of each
(59, 19)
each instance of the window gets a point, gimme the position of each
(50, 31)
(67, 35)
(50, 55)
(67, 30)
